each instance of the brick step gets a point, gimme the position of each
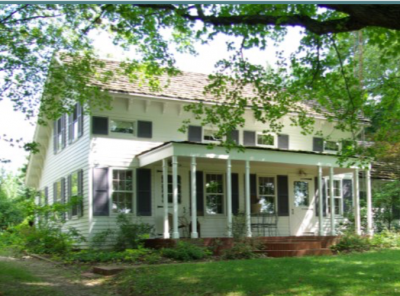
(293, 245)
(296, 253)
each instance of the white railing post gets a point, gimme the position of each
(332, 201)
(165, 198)
(370, 229)
(175, 233)
(320, 202)
(229, 197)
(248, 213)
(194, 233)
(356, 194)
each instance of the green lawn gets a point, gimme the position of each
(376, 273)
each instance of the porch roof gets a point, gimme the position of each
(257, 154)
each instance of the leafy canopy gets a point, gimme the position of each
(46, 52)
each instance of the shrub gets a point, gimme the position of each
(386, 239)
(352, 243)
(185, 251)
(240, 250)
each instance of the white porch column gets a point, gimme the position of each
(356, 194)
(332, 201)
(165, 198)
(248, 214)
(370, 229)
(175, 232)
(194, 233)
(320, 203)
(229, 197)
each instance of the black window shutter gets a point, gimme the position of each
(80, 119)
(143, 196)
(55, 138)
(80, 193)
(324, 197)
(318, 144)
(235, 193)
(234, 136)
(63, 130)
(63, 195)
(100, 192)
(347, 186)
(100, 125)
(70, 210)
(195, 133)
(70, 127)
(253, 189)
(283, 141)
(144, 129)
(249, 138)
(283, 196)
(200, 193)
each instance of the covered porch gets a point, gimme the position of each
(211, 186)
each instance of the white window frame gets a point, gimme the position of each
(72, 194)
(171, 193)
(223, 194)
(209, 141)
(111, 190)
(134, 123)
(273, 135)
(336, 197)
(259, 196)
(330, 150)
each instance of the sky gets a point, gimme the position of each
(14, 125)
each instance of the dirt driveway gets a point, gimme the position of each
(50, 279)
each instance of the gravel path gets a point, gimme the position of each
(64, 281)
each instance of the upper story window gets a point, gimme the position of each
(75, 122)
(120, 126)
(331, 146)
(59, 134)
(265, 140)
(214, 194)
(122, 191)
(209, 135)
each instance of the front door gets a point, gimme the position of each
(301, 205)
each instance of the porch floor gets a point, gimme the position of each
(275, 246)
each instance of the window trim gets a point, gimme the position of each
(266, 146)
(223, 194)
(338, 144)
(275, 190)
(339, 197)
(130, 135)
(203, 133)
(79, 121)
(162, 189)
(69, 191)
(111, 190)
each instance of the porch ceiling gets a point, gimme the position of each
(253, 154)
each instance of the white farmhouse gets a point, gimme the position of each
(133, 159)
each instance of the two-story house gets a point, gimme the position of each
(133, 159)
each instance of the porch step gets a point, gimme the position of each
(296, 253)
(300, 245)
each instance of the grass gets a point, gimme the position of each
(374, 273)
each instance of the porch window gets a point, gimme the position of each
(170, 189)
(73, 190)
(266, 194)
(301, 194)
(122, 191)
(337, 195)
(265, 140)
(123, 127)
(214, 194)
(209, 135)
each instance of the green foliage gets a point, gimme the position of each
(128, 235)
(386, 240)
(140, 255)
(351, 242)
(186, 251)
(386, 204)
(239, 226)
(240, 250)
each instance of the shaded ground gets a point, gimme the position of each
(31, 277)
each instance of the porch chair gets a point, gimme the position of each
(265, 224)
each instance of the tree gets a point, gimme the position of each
(321, 70)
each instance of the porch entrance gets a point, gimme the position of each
(301, 205)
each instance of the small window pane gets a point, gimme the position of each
(125, 127)
(210, 135)
(267, 204)
(267, 186)
(331, 146)
(301, 197)
(266, 140)
(214, 204)
(170, 190)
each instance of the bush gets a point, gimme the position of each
(140, 255)
(352, 243)
(240, 250)
(185, 251)
(386, 239)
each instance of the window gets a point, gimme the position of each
(59, 133)
(75, 123)
(214, 194)
(266, 194)
(337, 194)
(57, 192)
(331, 146)
(209, 135)
(170, 190)
(301, 194)
(73, 192)
(122, 191)
(123, 127)
(265, 140)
